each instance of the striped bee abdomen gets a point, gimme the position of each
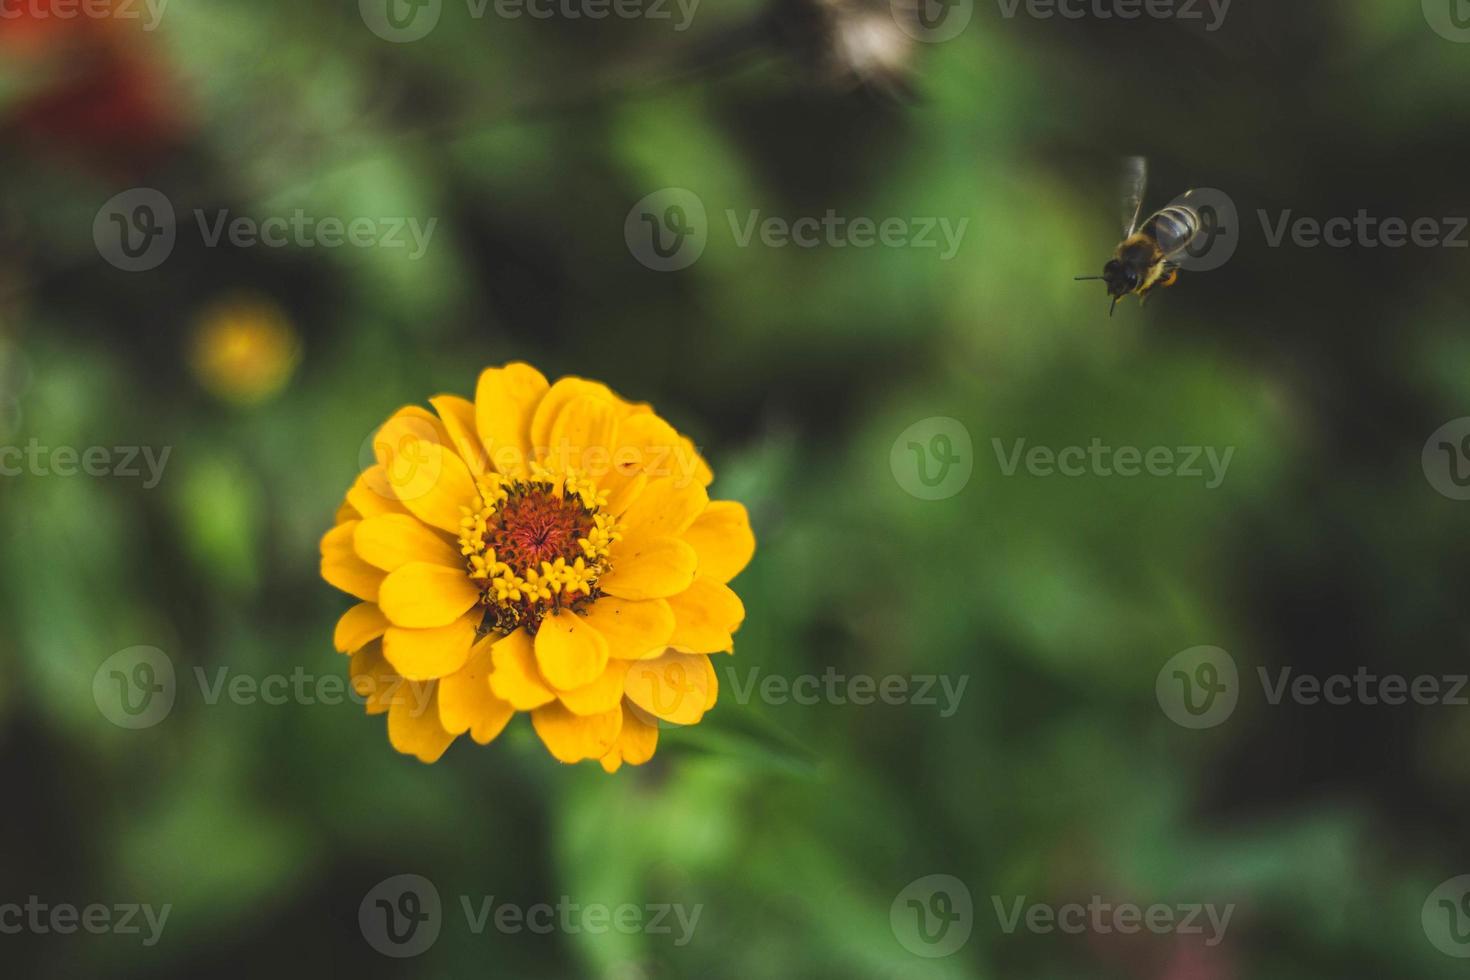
(1173, 228)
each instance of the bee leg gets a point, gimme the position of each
(1169, 278)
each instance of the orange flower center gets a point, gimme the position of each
(535, 526)
(535, 547)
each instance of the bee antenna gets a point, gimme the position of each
(1113, 307)
(1080, 278)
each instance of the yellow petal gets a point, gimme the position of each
(714, 684)
(723, 539)
(653, 569)
(664, 509)
(515, 678)
(414, 729)
(633, 630)
(706, 614)
(582, 436)
(674, 687)
(603, 694)
(346, 512)
(565, 391)
(702, 472)
(372, 495)
(572, 738)
(505, 399)
(649, 445)
(458, 417)
(391, 541)
(466, 702)
(620, 498)
(425, 474)
(636, 742)
(569, 653)
(359, 626)
(343, 569)
(372, 679)
(427, 654)
(422, 596)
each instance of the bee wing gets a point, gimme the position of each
(1135, 182)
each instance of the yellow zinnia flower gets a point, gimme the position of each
(548, 548)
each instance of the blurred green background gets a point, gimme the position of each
(795, 827)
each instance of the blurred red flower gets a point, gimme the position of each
(90, 87)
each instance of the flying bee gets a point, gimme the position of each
(1145, 258)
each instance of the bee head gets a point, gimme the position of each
(1121, 279)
